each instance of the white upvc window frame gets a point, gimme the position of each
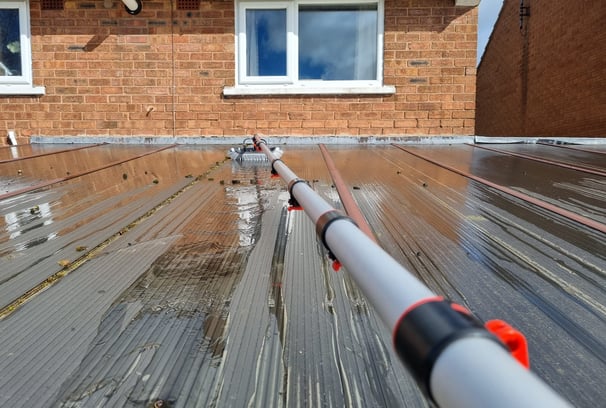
(21, 84)
(290, 84)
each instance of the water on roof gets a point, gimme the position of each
(132, 274)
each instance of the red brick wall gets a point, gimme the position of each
(548, 79)
(107, 73)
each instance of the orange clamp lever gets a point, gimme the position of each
(512, 338)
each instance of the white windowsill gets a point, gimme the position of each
(8, 90)
(252, 90)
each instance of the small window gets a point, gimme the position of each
(335, 46)
(15, 51)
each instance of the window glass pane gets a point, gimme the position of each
(10, 45)
(266, 42)
(338, 42)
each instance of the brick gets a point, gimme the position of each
(408, 123)
(556, 96)
(98, 90)
(407, 106)
(416, 97)
(323, 115)
(416, 115)
(336, 124)
(441, 114)
(369, 115)
(299, 116)
(362, 124)
(313, 124)
(451, 123)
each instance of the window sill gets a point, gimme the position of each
(260, 90)
(9, 90)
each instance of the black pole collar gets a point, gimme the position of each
(328, 218)
(426, 330)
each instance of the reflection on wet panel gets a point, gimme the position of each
(177, 312)
(24, 221)
(90, 196)
(247, 201)
(224, 298)
(386, 180)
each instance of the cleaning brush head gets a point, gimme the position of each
(249, 153)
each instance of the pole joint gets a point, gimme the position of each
(322, 224)
(292, 201)
(426, 329)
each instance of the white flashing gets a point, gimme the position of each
(235, 140)
(311, 140)
(542, 139)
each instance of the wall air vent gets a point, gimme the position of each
(188, 4)
(52, 4)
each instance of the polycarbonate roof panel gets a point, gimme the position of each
(180, 276)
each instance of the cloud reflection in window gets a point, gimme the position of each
(266, 42)
(10, 45)
(338, 42)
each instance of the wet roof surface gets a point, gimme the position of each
(135, 273)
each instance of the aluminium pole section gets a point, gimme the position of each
(463, 368)
(470, 372)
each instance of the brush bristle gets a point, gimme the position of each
(253, 157)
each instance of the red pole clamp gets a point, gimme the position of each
(512, 338)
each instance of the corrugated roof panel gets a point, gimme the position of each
(45, 228)
(211, 293)
(500, 257)
(47, 339)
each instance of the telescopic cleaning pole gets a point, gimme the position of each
(456, 361)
